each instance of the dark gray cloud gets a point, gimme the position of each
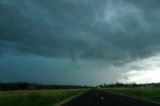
(85, 29)
(46, 70)
(114, 31)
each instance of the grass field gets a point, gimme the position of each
(36, 97)
(146, 93)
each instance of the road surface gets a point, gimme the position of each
(99, 98)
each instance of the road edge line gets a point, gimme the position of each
(71, 98)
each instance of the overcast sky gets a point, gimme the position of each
(79, 41)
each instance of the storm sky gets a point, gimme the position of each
(80, 42)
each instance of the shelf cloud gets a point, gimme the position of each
(107, 33)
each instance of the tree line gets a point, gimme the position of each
(34, 86)
(117, 84)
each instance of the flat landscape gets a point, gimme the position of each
(144, 93)
(36, 97)
(79, 52)
(126, 96)
(101, 98)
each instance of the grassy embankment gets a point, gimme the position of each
(144, 93)
(36, 97)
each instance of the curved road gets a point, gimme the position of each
(99, 98)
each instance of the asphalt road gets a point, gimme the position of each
(99, 98)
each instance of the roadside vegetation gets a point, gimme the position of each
(144, 93)
(36, 97)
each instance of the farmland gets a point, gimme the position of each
(144, 93)
(36, 97)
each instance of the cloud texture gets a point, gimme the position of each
(114, 32)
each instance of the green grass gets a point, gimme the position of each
(145, 93)
(36, 97)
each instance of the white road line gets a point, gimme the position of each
(102, 98)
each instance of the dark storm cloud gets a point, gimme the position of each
(47, 70)
(119, 30)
